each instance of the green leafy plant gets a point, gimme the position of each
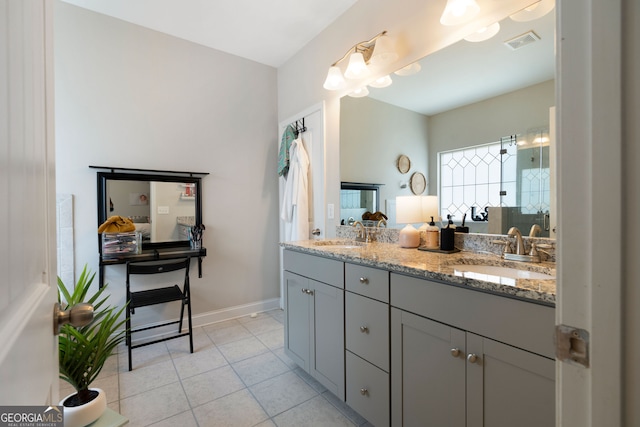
(84, 350)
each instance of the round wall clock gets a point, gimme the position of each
(418, 183)
(404, 164)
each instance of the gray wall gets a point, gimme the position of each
(372, 136)
(487, 121)
(132, 97)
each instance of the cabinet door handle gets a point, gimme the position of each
(364, 280)
(309, 291)
(305, 291)
(364, 329)
(364, 391)
(455, 352)
(472, 358)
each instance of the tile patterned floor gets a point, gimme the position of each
(238, 375)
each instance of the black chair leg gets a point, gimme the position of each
(190, 325)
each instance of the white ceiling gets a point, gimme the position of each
(466, 72)
(272, 31)
(266, 31)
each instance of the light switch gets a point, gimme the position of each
(330, 211)
(163, 210)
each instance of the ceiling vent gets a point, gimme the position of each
(522, 40)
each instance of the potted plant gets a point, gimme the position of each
(84, 350)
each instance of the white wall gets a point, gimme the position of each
(132, 97)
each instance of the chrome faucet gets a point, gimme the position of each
(381, 223)
(514, 232)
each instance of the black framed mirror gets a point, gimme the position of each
(161, 204)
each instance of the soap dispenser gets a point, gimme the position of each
(447, 236)
(432, 240)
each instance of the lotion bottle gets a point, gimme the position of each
(432, 240)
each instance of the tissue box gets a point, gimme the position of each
(121, 243)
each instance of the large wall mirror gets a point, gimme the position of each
(466, 95)
(161, 206)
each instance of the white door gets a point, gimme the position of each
(28, 290)
(315, 145)
(590, 226)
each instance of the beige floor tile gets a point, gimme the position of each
(199, 362)
(211, 385)
(144, 356)
(282, 356)
(185, 419)
(273, 339)
(239, 409)
(109, 385)
(180, 346)
(220, 325)
(313, 383)
(261, 325)
(316, 412)
(242, 349)
(344, 408)
(281, 393)
(144, 379)
(226, 335)
(154, 405)
(259, 368)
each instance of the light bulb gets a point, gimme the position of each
(484, 33)
(381, 82)
(360, 92)
(458, 12)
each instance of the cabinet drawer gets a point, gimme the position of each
(367, 329)
(367, 281)
(522, 324)
(323, 270)
(368, 390)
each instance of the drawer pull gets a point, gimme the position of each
(364, 280)
(455, 352)
(364, 391)
(364, 329)
(472, 358)
(307, 291)
(304, 291)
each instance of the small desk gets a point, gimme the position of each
(151, 255)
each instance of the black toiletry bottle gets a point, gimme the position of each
(447, 236)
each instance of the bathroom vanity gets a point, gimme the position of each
(409, 338)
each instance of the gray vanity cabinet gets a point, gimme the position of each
(314, 310)
(445, 373)
(367, 342)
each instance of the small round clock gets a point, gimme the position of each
(404, 164)
(418, 183)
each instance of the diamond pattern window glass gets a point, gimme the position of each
(471, 177)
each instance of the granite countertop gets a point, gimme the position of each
(438, 266)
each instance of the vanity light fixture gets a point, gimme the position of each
(535, 11)
(484, 33)
(361, 92)
(375, 52)
(381, 82)
(413, 68)
(458, 12)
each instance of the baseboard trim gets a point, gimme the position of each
(204, 319)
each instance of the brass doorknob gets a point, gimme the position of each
(78, 315)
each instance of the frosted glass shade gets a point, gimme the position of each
(484, 33)
(409, 70)
(335, 79)
(380, 82)
(357, 68)
(535, 11)
(383, 52)
(360, 92)
(458, 12)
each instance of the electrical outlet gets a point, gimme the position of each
(330, 211)
(163, 210)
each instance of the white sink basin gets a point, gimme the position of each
(476, 271)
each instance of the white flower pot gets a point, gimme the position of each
(80, 416)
